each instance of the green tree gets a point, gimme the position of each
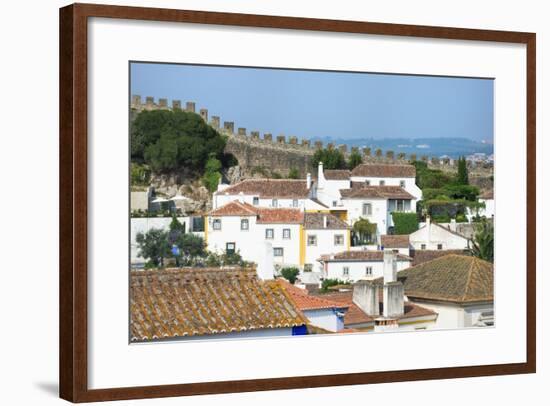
(331, 158)
(355, 159)
(191, 246)
(327, 283)
(404, 223)
(139, 174)
(212, 174)
(293, 173)
(290, 274)
(462, 173)
(483, 241)
(154, 247)
(363, 231)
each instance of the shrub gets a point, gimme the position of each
(327, 283)
(330, 157)
(405, 223)
(290, 274)
(293, 173)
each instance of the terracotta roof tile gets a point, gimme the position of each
(194, 302)
(376, 192)
(234, 208)
(270, 188)
(384, 171)
(362, 255)
(304, 301)
(421, 256)
(451, 278)
(285, 216)
(395, 241)
(336, 174)
(314, 221)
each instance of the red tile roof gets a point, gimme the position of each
(265, 215)
(304, 301)
(395, 241)
(421, 256)
(314, 221)
(234, 208)
(269, 188)
(359, 256)
(384, 171)
(336, 174)
(195, 302)
(376, 192)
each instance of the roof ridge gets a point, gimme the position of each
(469, 280)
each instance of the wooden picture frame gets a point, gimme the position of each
(74, 201)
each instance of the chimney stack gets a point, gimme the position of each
(265, 267)
(393, 294)
(320, 176)
(390, 266)
(324, 221)
(365, 296)
(308, 181)
(452, 226)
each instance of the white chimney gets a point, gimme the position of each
(241, 197)
(320, 176)
(390, 266)
(452, 226)
(265, 267)
(324, 221)
(366, 297)
(429, 229)
(308, 181)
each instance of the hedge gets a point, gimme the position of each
(404, 223)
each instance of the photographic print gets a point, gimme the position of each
(269, 202)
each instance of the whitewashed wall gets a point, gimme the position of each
(357, 269)
(325, 245)
(379, 212)
(431, 235)
(325, 318)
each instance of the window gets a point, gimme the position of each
(217, 224)
(339, 239)
(334, 203)
(277, 252)
(274, 203)
(286, 233)
(400, 205)
(439, 246)
(295, 203)
(382, 183)
(255, 201)
(402, 183)
(368, 271)
(395, 251)
(244, 224)
(268, 233)
(308, 267)
(230, 248)
(311, 240)
(422, 246)
(367, 209)
(367, 183)
(345, 271)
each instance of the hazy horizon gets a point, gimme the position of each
(327, 104)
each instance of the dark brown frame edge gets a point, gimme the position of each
(73, 201)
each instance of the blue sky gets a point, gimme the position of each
(318, 104)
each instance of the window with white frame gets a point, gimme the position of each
(422, 246)
(269, 233)
(439, 246)
(244, 224)
(255, 200)
(382, 183)
(217, 224)
(278, 252)
(339, 239)
(367, 209)
(295, 203)
(345, 271)
(230, 248)
(274, 202)
(311, 240)
(368, 271)
(286, 233)
(402, 183)
(334, 203)
(367, 182)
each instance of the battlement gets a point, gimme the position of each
(282, 142)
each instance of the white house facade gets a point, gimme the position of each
(433, 236)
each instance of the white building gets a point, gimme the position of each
(274, 193)
(403, 176)
(489, 210)
(295, 237)
(433, 236)
(458, 287)
(351, 266)
(399, 244)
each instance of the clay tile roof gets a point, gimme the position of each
(337, 174)
(380, 192)
(355, 315)
(395, 241)
(314, 221)
(269, 188)
(362, 255)
(384, 171)
(451, 278)
(421, 256)
(285, 216)
(234, 208)
(194, 302)
(304, 301)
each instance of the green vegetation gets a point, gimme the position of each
(483, 241)
(212, 173)
(363, 232)
(404, 223)
(355, 159)
(330, 157)
(462, 174)
(293, 173)
(154, 247)
(290, 274)
(167, 140)
(139, 174)
(327, 283)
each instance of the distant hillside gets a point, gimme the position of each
(453, 147)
